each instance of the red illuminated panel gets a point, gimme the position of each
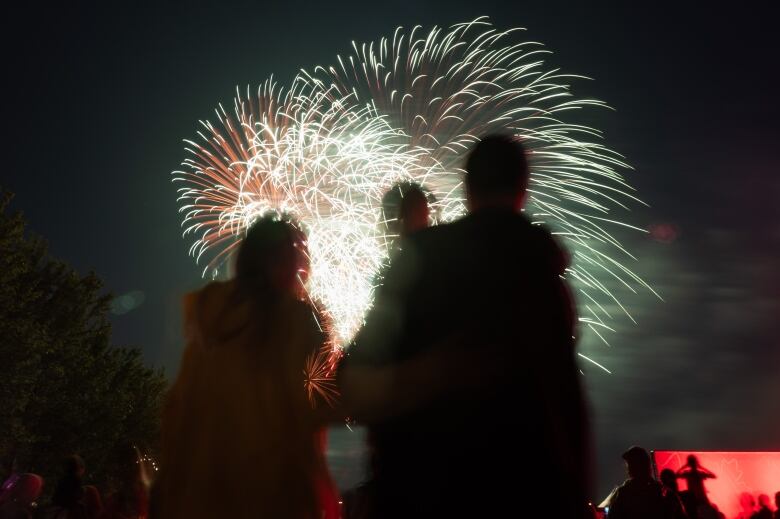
(736, 473)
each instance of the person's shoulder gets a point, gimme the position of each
(539, 245)
(432, 243)
(618, 494)
(210, 292)
(434, 234)
(551, 250)
(203, 304)
(640, 485)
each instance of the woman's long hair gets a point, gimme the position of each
(266, 271)
(268, 260)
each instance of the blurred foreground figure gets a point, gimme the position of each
(239, 435)
(504, 396)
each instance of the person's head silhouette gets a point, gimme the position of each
(669, 479)
(497, 174)
(405, 208)
(746, 501)
(74, 466)
(637, 463)
(693, 461)
(268, 260)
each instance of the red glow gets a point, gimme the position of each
(664, 232)
(737, 472)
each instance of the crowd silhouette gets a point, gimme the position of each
(641, 496)
(463, 372)
(126, 492)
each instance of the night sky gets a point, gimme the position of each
(98, 100)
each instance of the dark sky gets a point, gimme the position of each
(98, 100)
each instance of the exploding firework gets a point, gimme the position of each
(319, 376)
(310, 155)
(406, 108)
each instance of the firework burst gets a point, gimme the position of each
(405, 108)
(445, 88)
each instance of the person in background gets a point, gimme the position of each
(19, 503)
(640, 496)
(9, 475)
(672, 494)
(405, 209)
(694, 475)
(763, 512)
(748, 505)
(71, 496)
(777, 505)
(128, 496)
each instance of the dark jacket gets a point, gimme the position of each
(639, 499)
(490, 282)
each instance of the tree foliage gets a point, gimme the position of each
(63, 387)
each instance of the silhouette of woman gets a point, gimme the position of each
(239, 435)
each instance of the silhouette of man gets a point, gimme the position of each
(640, 496)
(488, 288)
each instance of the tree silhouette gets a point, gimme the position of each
(63, 387)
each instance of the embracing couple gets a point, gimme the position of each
(464, 374)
